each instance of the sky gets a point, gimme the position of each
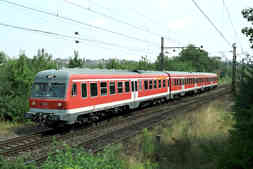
(122, 29)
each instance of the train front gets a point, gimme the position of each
(48, 98)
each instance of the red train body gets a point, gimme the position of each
(71, 96)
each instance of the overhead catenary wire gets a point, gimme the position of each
(231, 22)
(139, 13)
(70, 37)
(76, 21)
(212, 23)
(111, 17)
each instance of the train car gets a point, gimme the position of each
(206, 81)
(69, 96)
(182, 83)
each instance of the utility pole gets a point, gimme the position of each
(162, 53)
(165, 47)
(234, 69)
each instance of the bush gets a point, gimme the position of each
(18, 164)
(79, 159)
(16, 81)
(239, 153)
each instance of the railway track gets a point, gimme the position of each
(8, 145)
(97, 140)
(91, 138)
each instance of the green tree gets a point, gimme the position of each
(3, 58)
(145, 64)
(113, 64)
(248, 31)
(158, 62)
(197, 57)
(16, 78)
(42, 61)
(239, 153)
(75, 61)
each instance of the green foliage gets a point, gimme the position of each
(71, 158)
(79, 159)
(248, 31)
(192, 59)
(3, 58)
(16, 81)
(18, 164)
(240, 150)
(145, 64)
(113, 64)
(76, 61)
(239, 153)
(148, 147)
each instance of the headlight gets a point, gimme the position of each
(59, 104)
(33, 103)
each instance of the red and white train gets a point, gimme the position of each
(71, 96)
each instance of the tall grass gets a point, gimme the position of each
(194, 140)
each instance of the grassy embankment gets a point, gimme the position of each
(194, 140)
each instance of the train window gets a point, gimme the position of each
(103, 88)
(84, 90)
(164, 83)
(146, 84)
(127, 86)
(120, 87)
(135, 86)
(132, 85)
(93, 89)
(150, 84)
(159, 83)
(155, 84)
(74, 91)
(168, 83)
(140, 86)
(112, 88)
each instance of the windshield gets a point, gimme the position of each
(48, 90)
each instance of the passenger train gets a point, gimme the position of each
(70, 96)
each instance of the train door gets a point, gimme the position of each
(134, 94)
(182, 83)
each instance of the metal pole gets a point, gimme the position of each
(234, 68)
(162, 53)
